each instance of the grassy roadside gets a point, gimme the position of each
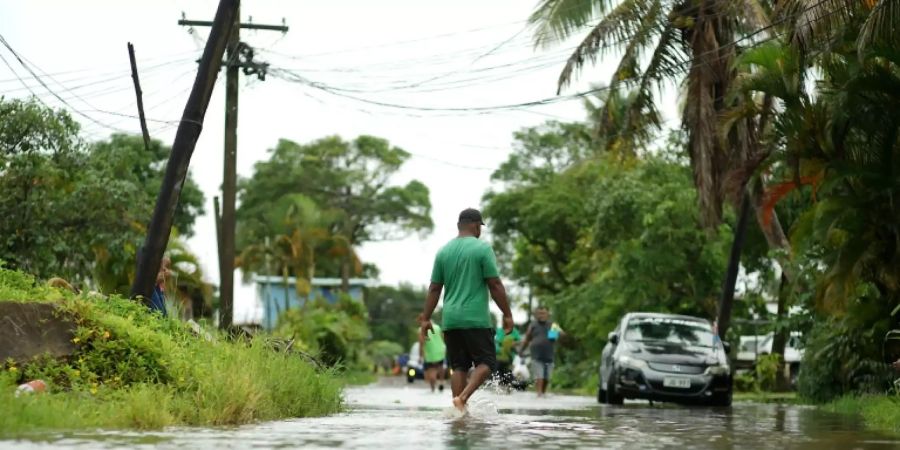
(133, 369)
(879, 412)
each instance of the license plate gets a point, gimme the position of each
(677, 382)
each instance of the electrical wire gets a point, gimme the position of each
(680, 66)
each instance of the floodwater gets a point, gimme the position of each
(393, 415)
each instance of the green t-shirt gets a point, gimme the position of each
(462, 266)
(505, 344)
(435, 350)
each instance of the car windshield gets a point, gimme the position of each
(669, 329)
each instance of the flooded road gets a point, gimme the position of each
(391, 415)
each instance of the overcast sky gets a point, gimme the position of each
(455, 55)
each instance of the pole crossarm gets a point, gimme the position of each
(246, 26)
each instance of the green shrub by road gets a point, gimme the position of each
(134, 369)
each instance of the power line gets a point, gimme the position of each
(291, 76)
(51, 91)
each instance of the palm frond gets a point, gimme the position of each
(628, 23)
(881, 26)
(557, 20)
(816, 23)
(643, 117)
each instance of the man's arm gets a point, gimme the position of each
(498, 293)
(431, 301)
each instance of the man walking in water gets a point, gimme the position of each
(467, 268)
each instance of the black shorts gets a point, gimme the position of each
(470, 347)
(434, 365)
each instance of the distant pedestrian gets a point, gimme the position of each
(467, 268)
(158, 298)
(541, 336)
(506, 344)
(433, 352)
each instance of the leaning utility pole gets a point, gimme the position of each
(240, 56)
(189, 128)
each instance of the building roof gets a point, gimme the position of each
(318, 282)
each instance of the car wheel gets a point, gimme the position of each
(612, 397)
(721, 399)
(601, 395)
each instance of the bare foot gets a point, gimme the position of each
(459, 404)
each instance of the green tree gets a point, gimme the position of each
(58, 208)
(75, 210)
(598, 234)
(393, 311)
(350, 181)
(654, 38)
(127, 159)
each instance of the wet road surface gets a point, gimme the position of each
(393, 415)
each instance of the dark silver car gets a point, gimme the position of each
(665, 357)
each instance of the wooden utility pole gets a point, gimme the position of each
(150, 256)
(240, 56)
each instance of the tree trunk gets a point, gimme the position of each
(779, 340)
(345, 272)
(726, 302)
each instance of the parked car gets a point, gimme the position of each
(748, 347)
(665, 357)
(793, 352)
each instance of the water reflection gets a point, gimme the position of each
(411, 417)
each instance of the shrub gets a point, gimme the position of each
(134, 368)
(336, 334)
(767, 371)
(843, 357)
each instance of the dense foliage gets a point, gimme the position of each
(306, 209)
(336, 334)
(596, 235)
(133, 368)
(76, 210)
(392, 313)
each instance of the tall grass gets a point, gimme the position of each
(879, 412)
(134, 369)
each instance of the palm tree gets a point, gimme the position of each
(655, 38)
(616, 129)
(303, 234)
(823, 24)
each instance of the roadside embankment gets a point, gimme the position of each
(879, 412)
(128, 368)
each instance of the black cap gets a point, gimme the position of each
(470, 215)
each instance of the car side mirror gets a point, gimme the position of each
(727, 346)
(613, 337)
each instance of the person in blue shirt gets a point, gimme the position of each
(158, 298)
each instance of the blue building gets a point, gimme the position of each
(276, 297)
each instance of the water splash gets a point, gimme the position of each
(481, 408)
